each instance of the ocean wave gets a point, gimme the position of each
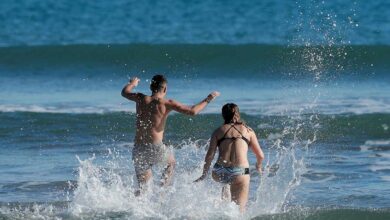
(248, 59)
(310, 127)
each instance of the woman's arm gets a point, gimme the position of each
(255, 146)
(209, 157)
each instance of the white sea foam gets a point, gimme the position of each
(379, 155)
(385, 178)
(377, 142)
(384, 155)
(371, 145)
(72, 109)
(254, 107)
(380, 167)
(32, 211)
(110, 188)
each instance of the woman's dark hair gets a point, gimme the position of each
(158, 83)
(231, 113)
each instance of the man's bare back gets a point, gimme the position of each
(152, 112)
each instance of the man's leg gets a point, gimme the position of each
(168, 171)
(143, 178)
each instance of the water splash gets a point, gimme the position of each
(109, 188)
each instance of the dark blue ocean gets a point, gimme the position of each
(312, 78)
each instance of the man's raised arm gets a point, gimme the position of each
(195, 109)
(126, 91)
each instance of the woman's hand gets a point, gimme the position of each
(258, 168)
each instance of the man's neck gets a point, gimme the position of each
(158, 95)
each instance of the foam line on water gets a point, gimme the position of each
(254, 107)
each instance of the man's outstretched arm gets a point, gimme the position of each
(126, 91)
(195, 109)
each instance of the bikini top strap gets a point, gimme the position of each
(224, 135)
(242, 136)
(237, 130)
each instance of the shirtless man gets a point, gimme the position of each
(152, 113)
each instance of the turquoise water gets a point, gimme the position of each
(100, 22)
(310, 77)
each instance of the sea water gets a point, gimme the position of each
(310, 77)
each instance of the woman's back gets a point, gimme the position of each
(233, 143)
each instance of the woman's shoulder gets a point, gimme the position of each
(248, 129)
(220, 130)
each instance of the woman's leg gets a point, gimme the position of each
(225, 196)
(239, 190)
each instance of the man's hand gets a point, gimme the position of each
(212, 96)
(134, 81)
(127, 91)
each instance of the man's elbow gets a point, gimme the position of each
(123, 93)
(192, 112)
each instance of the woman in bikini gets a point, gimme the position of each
(233, 139)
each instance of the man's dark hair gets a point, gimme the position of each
(158, 83)
(231, 113)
